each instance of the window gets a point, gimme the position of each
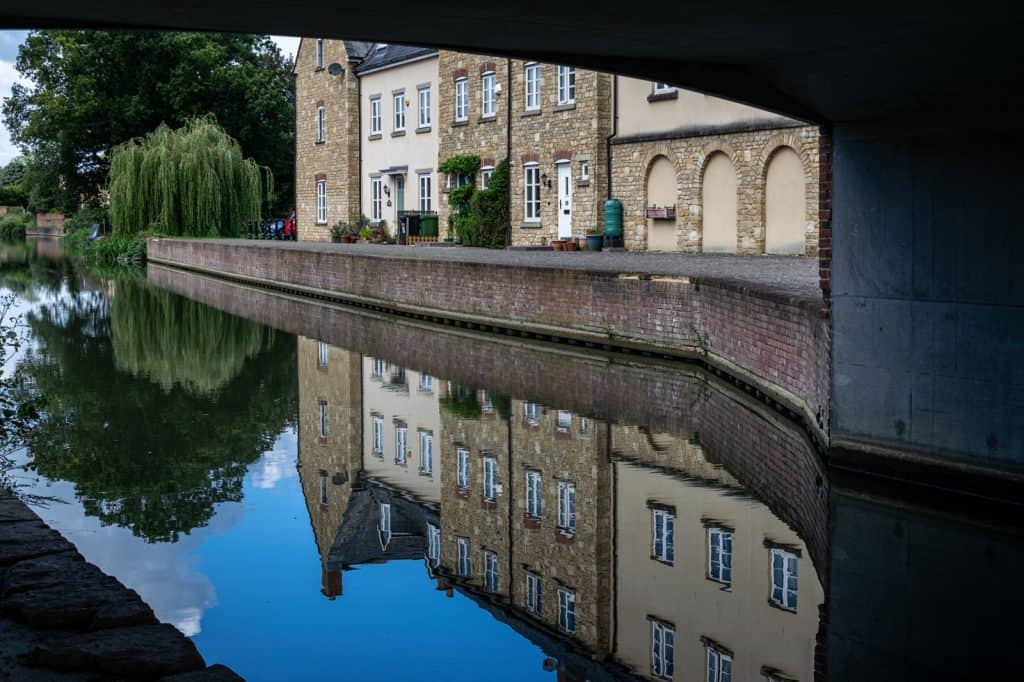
(323, 419)
(490, 478)
(486, 405)
(378, 435)
(433, 544)
(384, 525)
(720, 555)
(462, 100)
(584, 425)
(400, 112)
(566, 84)
(663, 647)
(567, 611)
(567, 506)
(321, 202)
(319, 53)
(424, 109)
(532, 86)
(719, 665)
(663, 545)
(375, 116)
(784, 579)
(465, 559)
(532, 189)
(321, 123)
(531, 413)
(376, 200)
(564, 421)
(322, 354)
(463, 476)
(425, 193)
(426, 453)
(401, 445)
(534, 593)
(490, 100)
(663, 88)
(426, 382)
(584, 170)
(534, 506)
(485, 176)
(491, 578)
(323, 487)
(378, 368)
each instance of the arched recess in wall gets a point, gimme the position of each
(785, 203)
(661, 190)
(718, 209)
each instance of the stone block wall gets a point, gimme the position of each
(750, 153)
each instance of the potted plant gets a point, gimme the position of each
(595, 240)
(557, 245)
(338, 231)
(365, 234)
(570, 244)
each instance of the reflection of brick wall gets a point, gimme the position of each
(50, 221)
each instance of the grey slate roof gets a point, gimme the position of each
(392, 54)
(357, 50)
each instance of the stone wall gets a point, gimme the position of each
(750, 153)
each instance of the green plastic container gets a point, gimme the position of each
(613, 219)
(428, 225)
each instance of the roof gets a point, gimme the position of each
(391, 55)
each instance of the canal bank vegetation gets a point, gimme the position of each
(15, 223)
(19, 405)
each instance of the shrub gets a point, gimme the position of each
(489, 211)
(14, 224)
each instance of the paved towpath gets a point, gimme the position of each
(782, 274)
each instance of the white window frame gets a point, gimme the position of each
(376, 115)
(567, 507)
(426, 195)
(433, 544)
(534, 491)
(717, 661)
(384, 524)
(566, 608)
(378, 435)
(426, 382)
(319, 53)
(321, 124)
(323, 487)
(426, 453)
(461, 99)
(532, 78)
(323, 354)
(720, 558)
(789, 580)
(377, 368)
(485, 176)
(663, 88)
(531, 413)
(324, 424)
(321, 202)
(566, 85)
(490, 479)
(465, 558)
(584, 170)
(376, 198)
(492, 579)
(463, 476)
(399, 122)
(534, 593)
(663, 645)
(663, 523)
(489, 95)
(564, 421)
(401, 445)
(424, 108)
(531, 180)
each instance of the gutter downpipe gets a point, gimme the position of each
(508, 150)
(614, 133)
(359, 134)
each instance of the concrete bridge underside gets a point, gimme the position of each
(921, 220)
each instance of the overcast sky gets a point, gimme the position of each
(9, 41)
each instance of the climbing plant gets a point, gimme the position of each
(489, 210)
(190, 181)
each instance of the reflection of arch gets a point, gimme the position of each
(661, 188)
(718, 204)
(785, 202)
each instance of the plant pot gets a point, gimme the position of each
(348, 239)
(571, 245)
(595, 242)
(335, 240)
(558, 245)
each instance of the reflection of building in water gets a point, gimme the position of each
(711, 585)
(329, 442)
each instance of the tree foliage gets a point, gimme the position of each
(92, 90)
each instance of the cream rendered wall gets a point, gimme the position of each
(419, 410)
(741, 619)
(417, 150)
(785, 199)
(662, 190)
(718, 205)
(637, 116)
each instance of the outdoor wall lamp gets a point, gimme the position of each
(545, 180)
(387, 190)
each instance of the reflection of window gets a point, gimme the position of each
(719, 665)
(490, 478)
(663, 545)
(567, 611)
(567, 506)
(323, 419)
(486, 406)
(564, 421)
(323, 487)
(534, 593)
(321, 124)
(491, 579)
(384, 525)
(720, 555)
(378, 368)
(463, 477)
(461, 99)
(663, 645)
(319, 53)
(663, 88)
(584, 425)
(533, 498)
(426, 453)
(489, 95)
(401, 448)
(433, 544)
(426, 382)
(784, 579)
(533, 86)
(323, 354)
(566, 84)
(378, 435)
(465, 560)
(531, 413)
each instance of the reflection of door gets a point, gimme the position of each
(564, 200)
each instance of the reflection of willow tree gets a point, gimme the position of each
(151, 459)
(174, 340)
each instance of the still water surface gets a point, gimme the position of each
(348, 495)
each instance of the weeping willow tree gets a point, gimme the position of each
(190, 181)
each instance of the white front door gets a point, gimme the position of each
(564, 200)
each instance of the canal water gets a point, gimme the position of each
(313, 492)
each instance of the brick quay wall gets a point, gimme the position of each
(776, 342)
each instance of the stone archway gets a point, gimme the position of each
(719, 205)
(785, 203)
(661, 190)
